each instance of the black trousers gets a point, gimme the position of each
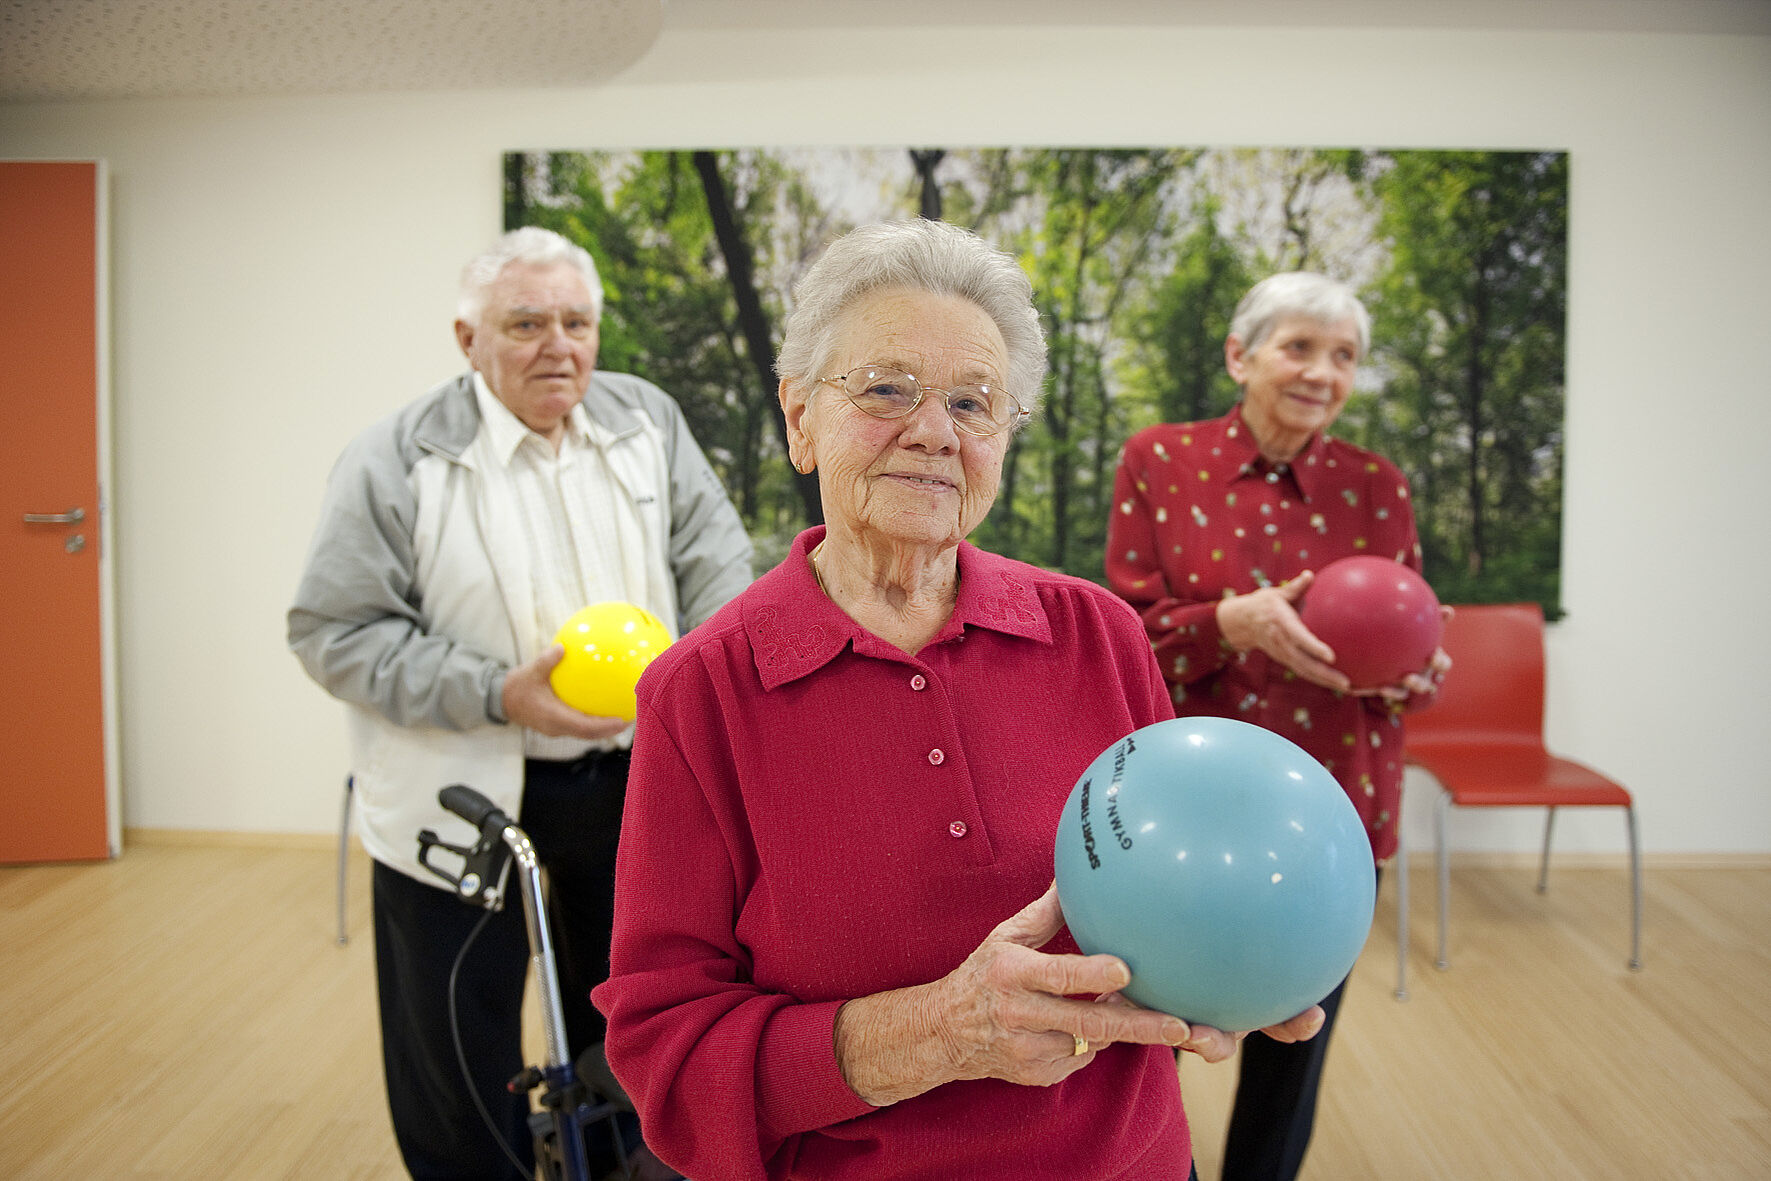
(1275, 1108)
(572, 815)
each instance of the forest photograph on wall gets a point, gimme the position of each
(1138, 257)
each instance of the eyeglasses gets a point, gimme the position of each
(888, 393)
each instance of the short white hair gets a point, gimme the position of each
(920, 255)
(532, 246)
(1298, 293)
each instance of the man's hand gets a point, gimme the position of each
(529, 700)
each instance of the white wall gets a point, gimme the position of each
(284, 272)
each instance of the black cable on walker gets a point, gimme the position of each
(473, 1091)
(559, 1127)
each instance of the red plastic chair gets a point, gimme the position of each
(1482, 740)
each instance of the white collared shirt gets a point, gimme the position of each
(580, 530)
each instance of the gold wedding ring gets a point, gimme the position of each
(1080, 1048)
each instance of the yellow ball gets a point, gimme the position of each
(608, 646)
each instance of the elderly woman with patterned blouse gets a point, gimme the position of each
(837, 953)
(1216, 530)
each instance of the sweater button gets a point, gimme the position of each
(918, 683)
(957, 828)
(936, 757)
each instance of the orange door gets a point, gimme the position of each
(54, 796)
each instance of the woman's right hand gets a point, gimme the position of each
(1267, 620)
(1008, 1012)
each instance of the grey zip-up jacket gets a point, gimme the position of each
(416, 598)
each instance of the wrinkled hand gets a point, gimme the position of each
(529, 700)
(1214, 1045)
(1267, 620)
(1008, 1012)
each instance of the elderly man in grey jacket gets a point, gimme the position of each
(455, 537)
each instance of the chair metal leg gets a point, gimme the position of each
(1543, 865)
(1400, 864)
(1439, 811)
(344, 835)
(1635, 893)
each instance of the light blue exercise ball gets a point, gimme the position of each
(1223, 864)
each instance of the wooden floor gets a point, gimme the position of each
(184, 1012)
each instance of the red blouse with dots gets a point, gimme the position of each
(1198, 515)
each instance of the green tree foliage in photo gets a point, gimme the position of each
(1137, 256)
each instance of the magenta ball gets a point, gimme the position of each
(1380, 617)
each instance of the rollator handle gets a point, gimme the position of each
(473, 807)
(484, 862)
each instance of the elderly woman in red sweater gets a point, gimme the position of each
(837, 953)
(1217, 529)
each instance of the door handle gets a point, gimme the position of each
(72, 517)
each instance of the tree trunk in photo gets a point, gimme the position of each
(1101, 490)
(516, 196)
(1475, 379)
(1063, 404)
(1005, 501)
(752, 320)
(749, 455)
(925, 161)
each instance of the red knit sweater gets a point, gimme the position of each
(814, 815)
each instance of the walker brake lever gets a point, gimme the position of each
(482, 863)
